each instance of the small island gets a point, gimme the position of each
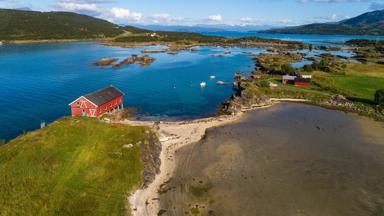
(144, 61)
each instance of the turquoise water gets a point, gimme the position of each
(39, 81)
(319, 40)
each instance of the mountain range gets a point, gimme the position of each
(371, 23)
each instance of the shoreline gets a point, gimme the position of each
(173, 136)
(46, 41)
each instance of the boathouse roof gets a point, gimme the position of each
(288, 77)
(104, 95)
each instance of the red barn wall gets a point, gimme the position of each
(302, 83)
(109, 106)
(83, 106)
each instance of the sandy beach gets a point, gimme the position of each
(289, 159)
(173, 136)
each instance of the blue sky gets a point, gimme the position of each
(233, 12)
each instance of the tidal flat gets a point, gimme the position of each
(290, 159)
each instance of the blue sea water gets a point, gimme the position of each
(39, 81)
(318, 40)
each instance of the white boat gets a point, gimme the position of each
(212, 77)
(220, 83)
(1, 43)
(203, 84)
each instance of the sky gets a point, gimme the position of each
(213, 12)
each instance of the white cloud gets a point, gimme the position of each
(215, 18)
(164, 18)
(114, 14)
(161, 16)
(72, 6)
(125, 14)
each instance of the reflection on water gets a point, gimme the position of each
(287, 160)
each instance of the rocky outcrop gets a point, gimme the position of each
(143, 61)
(150, 154)
(340, 100)
(247, 99)
(105, 62)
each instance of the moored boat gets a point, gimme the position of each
(203, 84)
(220, 83)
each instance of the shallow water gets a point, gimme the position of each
(39, 81)
(290, 159)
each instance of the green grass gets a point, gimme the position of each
(372, 70)
(362, 87)
(72, 167)
(312, 93)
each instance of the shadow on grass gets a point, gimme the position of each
(361, 100)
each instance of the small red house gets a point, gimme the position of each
(97, 103)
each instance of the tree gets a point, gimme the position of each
(379, 97)
(287, 69)
(308, 68)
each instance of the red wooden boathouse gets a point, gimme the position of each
(97, 103)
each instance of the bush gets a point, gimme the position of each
(263, 84)
(287, 69)
(379, 97)
(308, 68)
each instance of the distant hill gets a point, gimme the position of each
(206, 28)
(32, 25)
(371, 23)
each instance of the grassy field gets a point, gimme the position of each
(72, 167)
(372, 70)
(360, 83)
(312, 93)
(358, 86)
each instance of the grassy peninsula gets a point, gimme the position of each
(182, 40)
(75, 166)
(337, 83)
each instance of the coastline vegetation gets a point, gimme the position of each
(75, 166)
(186, 40)
(337, 84)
